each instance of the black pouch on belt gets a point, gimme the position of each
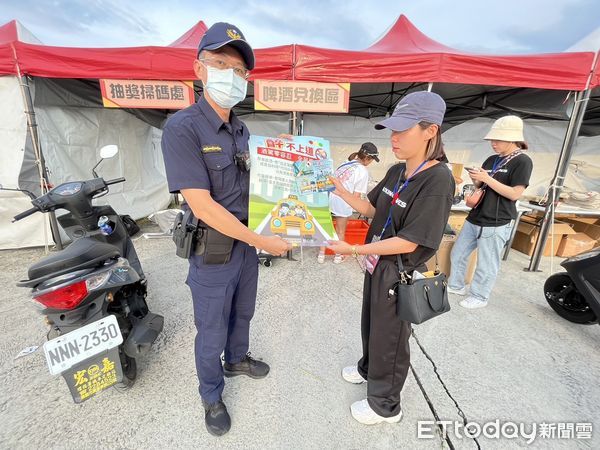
(215, 246)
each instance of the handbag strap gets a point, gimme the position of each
(428, 297)
(350, 164)
(401, 270)
(506, 160)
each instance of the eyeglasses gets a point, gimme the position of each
(241, 72)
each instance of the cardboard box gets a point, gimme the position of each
(443, 257)
(587, 225)
(528, 230)
(574, 244)
(456, 220)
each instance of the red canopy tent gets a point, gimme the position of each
(404, 54)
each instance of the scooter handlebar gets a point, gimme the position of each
(24, 214)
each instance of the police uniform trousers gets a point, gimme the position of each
(224, 297)
(386, 350)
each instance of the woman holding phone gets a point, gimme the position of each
(502, 179)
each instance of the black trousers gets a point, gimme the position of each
(386, 351)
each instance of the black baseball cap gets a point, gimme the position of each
(221, 34)
(370, 150)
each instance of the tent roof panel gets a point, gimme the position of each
(404, 37)
(162, 63)
(191, 38)
(403, 54)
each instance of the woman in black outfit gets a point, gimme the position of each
(414, 199)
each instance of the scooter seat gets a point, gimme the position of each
(83, 253)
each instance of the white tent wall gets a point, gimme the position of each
(29, 232)
(71, 137)
(272, 124)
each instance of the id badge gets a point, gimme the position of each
(372, 260)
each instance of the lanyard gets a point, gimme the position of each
(397, 194)
(497, 164)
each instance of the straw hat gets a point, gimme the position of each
(507, 128)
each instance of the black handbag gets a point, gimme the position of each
(419, 300)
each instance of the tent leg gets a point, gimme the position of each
(296, 123)
(581, 101)
(293, 123)
(32, 127)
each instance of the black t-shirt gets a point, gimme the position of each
(419, 215)
(496, 210)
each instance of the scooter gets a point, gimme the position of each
(575, 294)
(93, 293)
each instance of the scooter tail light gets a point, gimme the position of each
(66, 297)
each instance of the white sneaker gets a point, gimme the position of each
(462, 291)
(363, 413)
(472, 303)
(321, 258)
(337, 259)
(351, 375)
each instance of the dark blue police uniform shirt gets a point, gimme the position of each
(198, 150)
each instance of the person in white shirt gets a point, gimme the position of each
(355, 178)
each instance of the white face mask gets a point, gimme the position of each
(225, 87)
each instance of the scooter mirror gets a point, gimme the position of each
(108, 151)
(25, 191)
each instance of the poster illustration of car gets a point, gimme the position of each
(289, 189)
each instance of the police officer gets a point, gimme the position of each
(205, 147)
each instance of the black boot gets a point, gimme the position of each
(247, 366)
(217, 418)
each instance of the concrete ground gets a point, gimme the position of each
(514, 361)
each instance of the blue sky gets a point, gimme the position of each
(500, 27)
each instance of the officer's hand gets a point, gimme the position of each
(274, 245)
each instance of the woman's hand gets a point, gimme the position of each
(340, 190)
(289, 137)
(340, 247)
(480, 175)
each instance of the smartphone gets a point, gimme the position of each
(472, 169)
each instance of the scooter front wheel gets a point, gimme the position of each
(563, 297)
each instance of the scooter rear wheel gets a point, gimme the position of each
(563, 297)
(129, 367)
